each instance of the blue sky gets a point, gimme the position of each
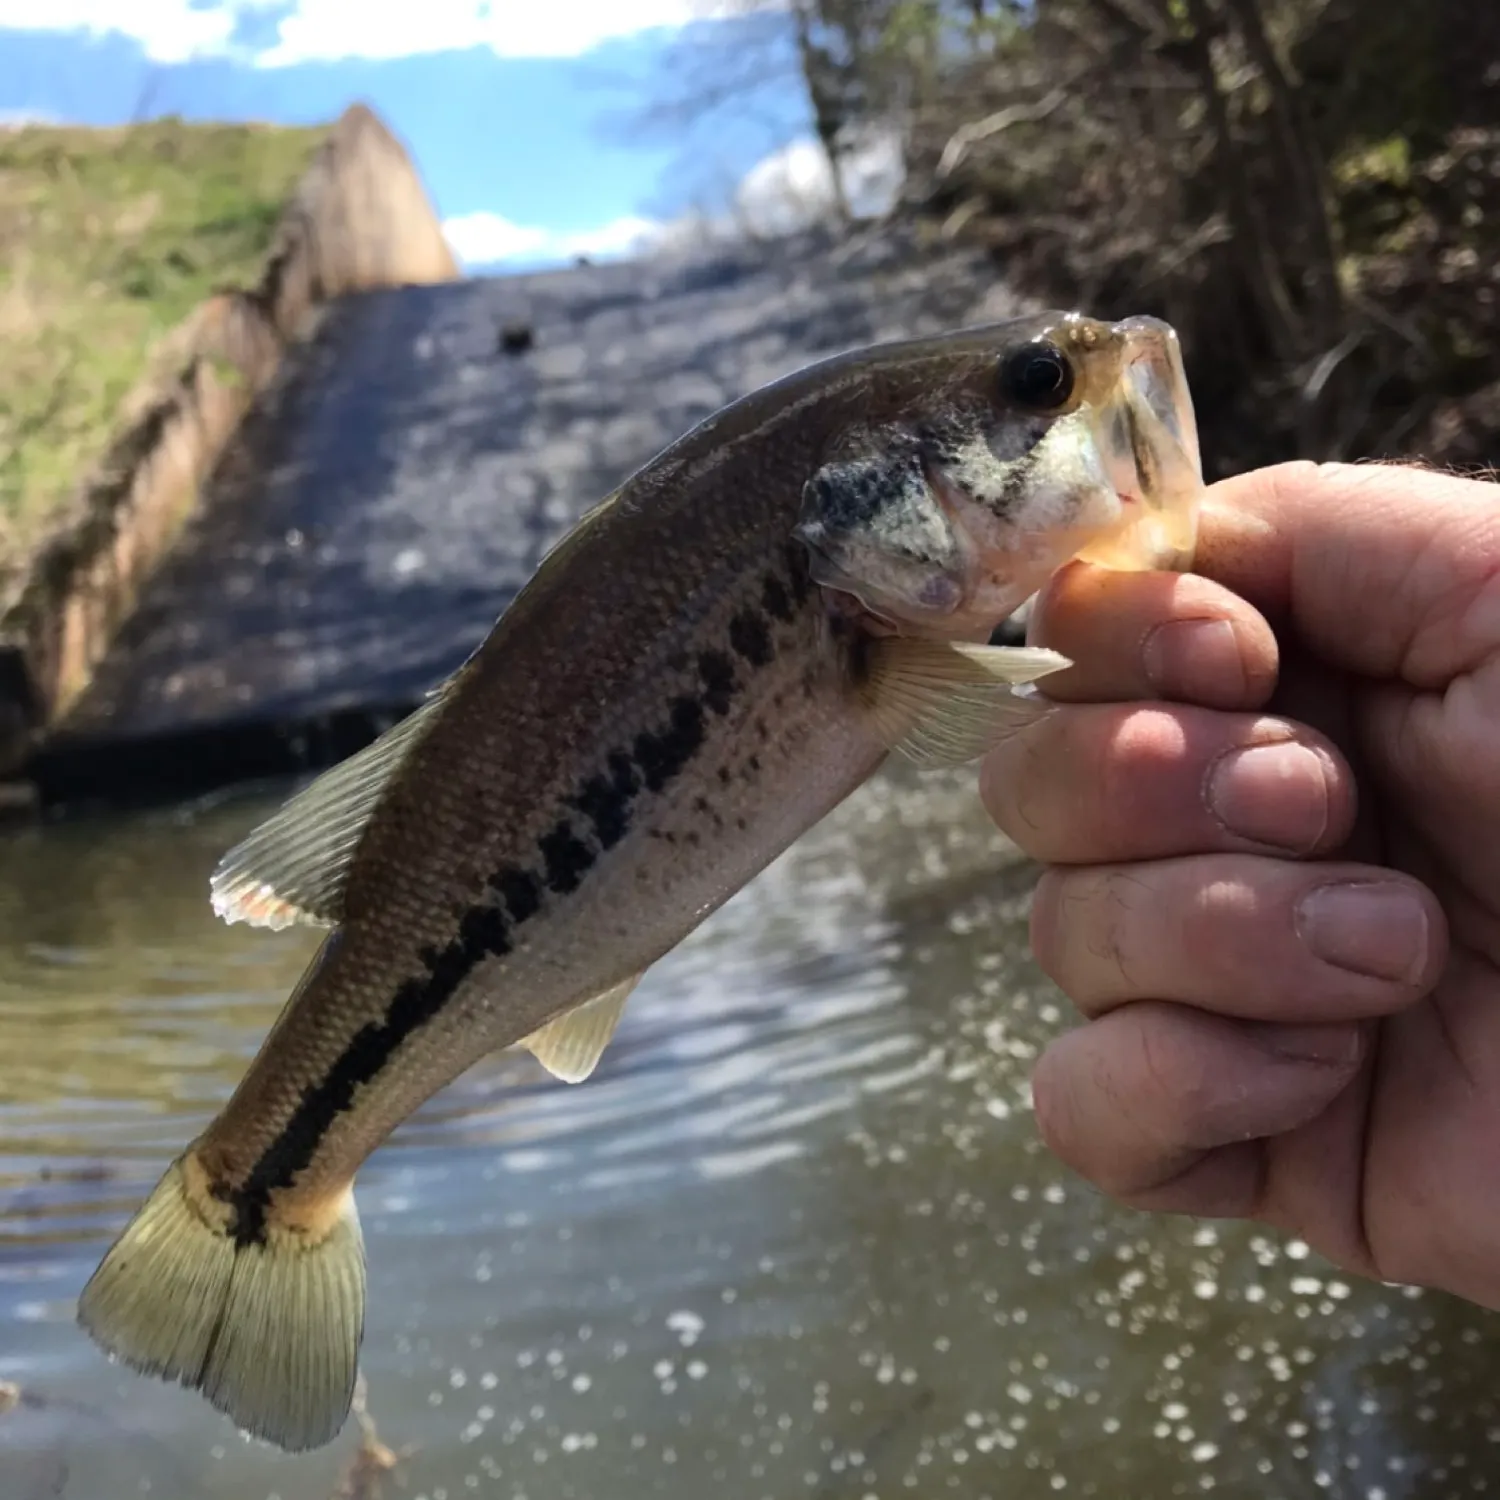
(524, 116)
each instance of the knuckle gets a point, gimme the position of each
(1017, 787)
(1092, 1123)
(1087, 931)
(1136, 778)
(1223, 930)
(1296, 477)
(1181, 1088)
(1050, 918)
(1120, 905)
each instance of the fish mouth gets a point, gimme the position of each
(1153, 366)
(1147, 436)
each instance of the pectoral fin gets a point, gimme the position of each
(945, 703)
(570, 1047)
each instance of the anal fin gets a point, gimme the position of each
(570, 1046)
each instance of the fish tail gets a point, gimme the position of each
(269, 1330)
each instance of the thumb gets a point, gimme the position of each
(1381, 569)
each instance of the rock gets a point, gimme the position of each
(517, 338)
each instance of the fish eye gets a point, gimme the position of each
(1037, 375)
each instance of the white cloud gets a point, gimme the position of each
(793, 188)
(171, 31)
(511, 28)
(789, 190)
(19, 119)
(486, 239)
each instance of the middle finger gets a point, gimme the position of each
(1101, 783)
(1241, 935)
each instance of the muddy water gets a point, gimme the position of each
(795, 1239)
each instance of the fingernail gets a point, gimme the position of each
(1195, 659)
(1272, 794)
(1336, 1044)
(1373, 928)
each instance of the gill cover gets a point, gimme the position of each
(874, 528)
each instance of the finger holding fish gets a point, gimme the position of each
(1096, 783)
(1135, 637)
(712, 660)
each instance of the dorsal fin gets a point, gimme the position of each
(292, 868)
(570, 1047)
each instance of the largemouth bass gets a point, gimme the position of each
(711, 661)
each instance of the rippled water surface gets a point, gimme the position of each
(796, 1238)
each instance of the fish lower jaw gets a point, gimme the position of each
(1002, 588)
(1007, 579)
(1141, 542)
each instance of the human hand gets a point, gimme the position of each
(1274, 887)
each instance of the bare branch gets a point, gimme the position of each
(1015, 114)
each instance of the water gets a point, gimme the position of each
(796, 1238)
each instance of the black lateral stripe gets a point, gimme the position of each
(606, 800)
(481, 934)
(799, 571)
(662, 756)
(568, 858)
(776, 598)
(487, 931)
(717, 672)
(751, 637)
(519, 889)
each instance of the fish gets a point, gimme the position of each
(708, 663)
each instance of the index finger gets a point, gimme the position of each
(1382, 569)
(1172, 636)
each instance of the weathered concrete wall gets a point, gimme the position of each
(405, 472)
(359, 219)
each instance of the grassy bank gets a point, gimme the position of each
(108, 239)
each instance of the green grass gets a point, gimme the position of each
(108, 239)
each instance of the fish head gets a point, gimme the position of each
(994, 461)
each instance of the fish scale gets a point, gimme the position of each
(547, 919)
(712, 660)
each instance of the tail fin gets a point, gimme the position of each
(269, 1332)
